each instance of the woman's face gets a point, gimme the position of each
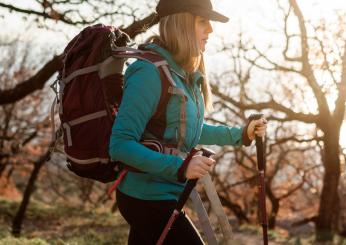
(202, 29)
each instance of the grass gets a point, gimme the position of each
(62, 224)
(65, 224)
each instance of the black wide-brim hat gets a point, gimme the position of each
(201, 8)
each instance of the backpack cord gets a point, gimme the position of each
(66, 55)
(55, 134)
(61, 79)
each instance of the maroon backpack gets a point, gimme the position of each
(89, 94)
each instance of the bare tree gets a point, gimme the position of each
(284, 177)
(68, 12)
(317, 54)
(23, 123)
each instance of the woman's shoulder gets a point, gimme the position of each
(143, 69)
(142, 76)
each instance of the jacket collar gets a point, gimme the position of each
(197, 76)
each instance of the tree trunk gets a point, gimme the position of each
(273, 213)
(236, 209)
(329, 196)
(341, 225)
(275, 203)
(18, 219)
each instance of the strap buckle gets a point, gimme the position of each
(175, 152)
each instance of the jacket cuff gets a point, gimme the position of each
(245, 138)
(181, 171)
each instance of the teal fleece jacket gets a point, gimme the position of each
(142, 90)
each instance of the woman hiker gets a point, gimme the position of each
(146, 199)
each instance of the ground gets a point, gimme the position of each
(64, 224)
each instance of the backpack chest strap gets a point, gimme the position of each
(175, 152)
(168, 149)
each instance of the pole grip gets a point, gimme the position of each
(259, 144)
(191, 183)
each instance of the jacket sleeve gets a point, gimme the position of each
(224, 135)
(141, 96)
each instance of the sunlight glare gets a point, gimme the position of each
(343, 135)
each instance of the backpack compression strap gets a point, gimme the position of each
(157, 123)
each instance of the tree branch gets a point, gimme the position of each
(34, 83)
(52, 14)
(288, 37)
(291, 115)
(340, 102)
(37, 81)
(307, 69)
(140, 26)
(275, 66)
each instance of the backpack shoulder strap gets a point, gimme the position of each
(157, 124)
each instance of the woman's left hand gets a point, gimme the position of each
(257, 127)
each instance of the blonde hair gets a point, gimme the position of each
(177, 35)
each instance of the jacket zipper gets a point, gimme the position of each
(198, 115)
(197, 104)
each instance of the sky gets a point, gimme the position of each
(255, 17)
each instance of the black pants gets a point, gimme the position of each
(147, 220)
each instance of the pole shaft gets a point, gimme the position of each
(261, 181)
(182, 200)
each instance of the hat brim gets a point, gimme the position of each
(211, 15)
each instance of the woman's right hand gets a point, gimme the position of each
(199, 166)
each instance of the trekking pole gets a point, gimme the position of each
(203, 218)
(218, 209)
(261, 181)
(182, 200)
